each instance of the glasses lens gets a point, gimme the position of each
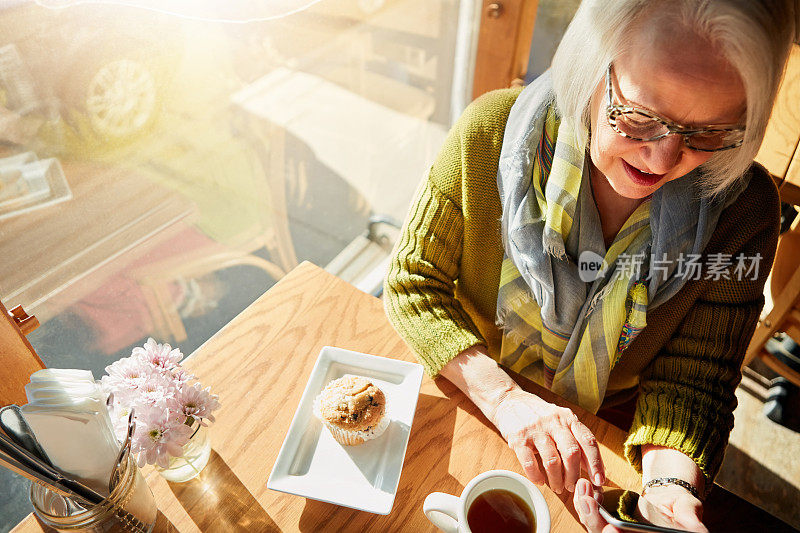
(715, 140)
(640, 126)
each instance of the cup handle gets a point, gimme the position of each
(442, 510)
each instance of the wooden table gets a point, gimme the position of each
(54, 249)
(259, 364)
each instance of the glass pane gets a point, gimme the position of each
(552, 19)
(162, 166)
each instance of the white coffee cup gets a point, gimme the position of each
(449, 513)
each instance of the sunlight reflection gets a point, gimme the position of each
(230, 11)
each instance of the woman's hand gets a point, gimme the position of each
(533, 426)
(672, 506)
(668, 506)
(586, 501)
(529, 424)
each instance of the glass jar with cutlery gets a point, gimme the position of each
(130, 507)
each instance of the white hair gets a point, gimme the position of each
(754, 35)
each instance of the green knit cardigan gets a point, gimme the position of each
(441, 294)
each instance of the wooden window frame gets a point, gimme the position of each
(18, 359)
(504, 44)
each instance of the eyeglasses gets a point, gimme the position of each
(643, 125)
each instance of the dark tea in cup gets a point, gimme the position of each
(500, 510)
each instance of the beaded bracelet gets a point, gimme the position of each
(661, 481)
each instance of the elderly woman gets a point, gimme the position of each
(605, 233)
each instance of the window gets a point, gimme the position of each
(163, 164)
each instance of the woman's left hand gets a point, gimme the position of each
(672, 506)
(668, 506)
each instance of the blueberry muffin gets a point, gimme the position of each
(353, 409)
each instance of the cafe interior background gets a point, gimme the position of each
(165, 163)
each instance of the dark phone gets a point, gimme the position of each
(609, 511)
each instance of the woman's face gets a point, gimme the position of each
(678, 77)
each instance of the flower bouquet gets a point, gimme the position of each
(171, 413)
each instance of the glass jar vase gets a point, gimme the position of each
(195, 457)
(130, 507)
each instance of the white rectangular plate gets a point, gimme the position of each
(365, 477)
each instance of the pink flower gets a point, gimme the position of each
(197, 402)
(181, 376)
(158, 435)
(153, 382)
(156, 389)
(124, 377)
(160, 356)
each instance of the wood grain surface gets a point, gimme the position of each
(111, 212)
(259, 364)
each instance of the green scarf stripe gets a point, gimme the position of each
(508, 272)
(540, 200)
(624, 244)
(509, 360)
(567, 203)
(627, 229)
(569, 154)
(529, 345)
(630, 227)
(639, 220)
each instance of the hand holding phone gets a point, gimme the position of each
(668, 511)
(609, 507)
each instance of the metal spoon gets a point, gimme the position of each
(124, 452)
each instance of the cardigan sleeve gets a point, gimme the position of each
(686, 394)
(419, 292)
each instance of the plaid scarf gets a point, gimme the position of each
(559, 330)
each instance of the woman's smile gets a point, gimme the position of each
(640, 177)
